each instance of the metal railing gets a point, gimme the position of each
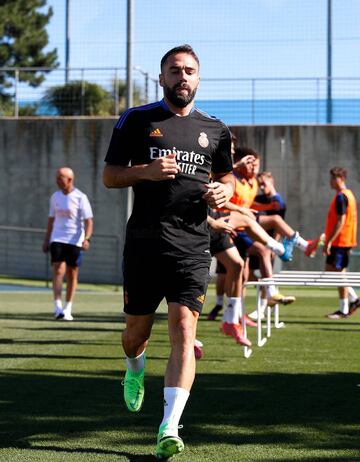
(21, 97)
(236, 101)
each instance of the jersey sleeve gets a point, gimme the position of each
(86, 210)
(119, 151)
(222, 162)
(341, 204)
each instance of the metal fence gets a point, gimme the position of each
(236, 101)
(21, 256)
(24, 100)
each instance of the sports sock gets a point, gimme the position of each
(275, 246)
(271, 290)
(220, 299)
(58, 304)
(263, 305)
(136, 364)
(174, 403)
(301, 243)
(68, 307)
(352, 295)
(344, 305)
(234, 309)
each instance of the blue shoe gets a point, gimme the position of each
(289, 245)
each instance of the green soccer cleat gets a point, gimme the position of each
(168, 443)
(134, 390)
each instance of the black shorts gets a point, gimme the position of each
(219, 242)
(147, 280)
(71, 254)
(339, 257)
(243, 241)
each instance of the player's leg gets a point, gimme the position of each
(258, 234)
(234, 264)
(72, 260)
(142, 295)
(338, 261)
(71, 285)
(58, 272)
(220, 292)
(218, 243)
(186, 285)
(292, 238)
(134, 341)
(264, 254)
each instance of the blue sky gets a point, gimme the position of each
(235, 39)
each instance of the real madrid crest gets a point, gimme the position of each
(203, 140)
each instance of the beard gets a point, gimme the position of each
(179, 99)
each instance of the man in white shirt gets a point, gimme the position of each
(69, 229)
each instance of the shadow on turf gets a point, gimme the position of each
(260, 409)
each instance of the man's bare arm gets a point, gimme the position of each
(118, 176)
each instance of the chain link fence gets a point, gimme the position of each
(21, 256)
(101, 92)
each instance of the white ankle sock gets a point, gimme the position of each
(271, 290)
(275, 246)
(233, 310)
(263, 305)
(136, 364)
(301, 243)
(174, 403)
(352, 295)
(58, 304)
(344, 305)
(68, 307)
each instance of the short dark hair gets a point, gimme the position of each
(179, 49)
(245, 151)
(338, 172)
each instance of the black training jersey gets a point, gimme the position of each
(169, 216)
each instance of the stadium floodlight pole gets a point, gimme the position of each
(129, 85)
(67, 39)
(329, 64)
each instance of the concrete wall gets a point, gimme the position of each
(300, 158)
(32, 149)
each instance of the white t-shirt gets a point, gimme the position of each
(70, 211)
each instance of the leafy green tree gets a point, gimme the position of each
(121, 86)
(23, 37)
(79, 98)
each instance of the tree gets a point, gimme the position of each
(79, 98)
(23, 37)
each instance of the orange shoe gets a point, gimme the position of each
(225, 328)
(235, 331)
(249, 322)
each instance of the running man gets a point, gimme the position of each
(173, 149)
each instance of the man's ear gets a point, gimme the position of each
(161, 80)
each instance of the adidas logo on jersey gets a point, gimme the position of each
(156, 132)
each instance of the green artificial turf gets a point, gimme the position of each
(295, 399)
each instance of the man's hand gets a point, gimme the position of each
(327, 248)
(222, 225)
(163, 168)
(85, 245)
(45, 246)
(218, 194)
(244, 161)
